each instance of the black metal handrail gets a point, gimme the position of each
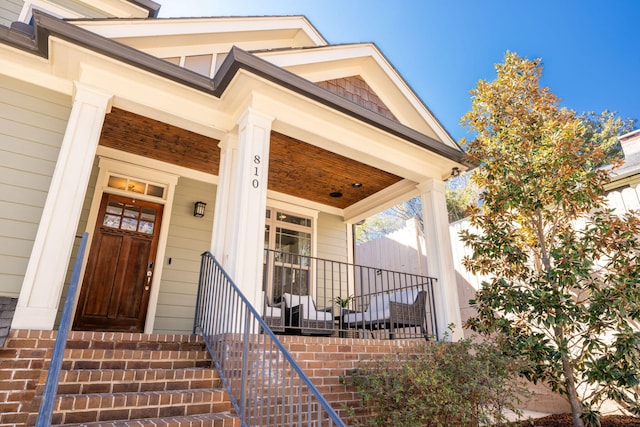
(45, 413)
(325, 297)
(265, 384)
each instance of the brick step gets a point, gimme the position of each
(105, 340)
(136, 380)
(202, 420)
(89, 408)
(135, 359)
(110, 379)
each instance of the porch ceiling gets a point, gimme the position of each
(295, 167)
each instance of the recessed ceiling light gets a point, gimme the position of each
(356, 185)
(335, 194)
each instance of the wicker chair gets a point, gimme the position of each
(391, 311)
(273, 314)
(303, 317)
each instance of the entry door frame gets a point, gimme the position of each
(108, 167)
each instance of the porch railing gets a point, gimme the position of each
(324, 297)
(265, 384)
(45, 413)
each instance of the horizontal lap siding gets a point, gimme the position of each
(32, 126)
(10, 11)
(188, 238)
(332, 245)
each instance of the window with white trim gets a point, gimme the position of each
(290, 236)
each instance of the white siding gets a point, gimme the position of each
(332, 238)
(32, 125)
(188, 238)
(332, 245)
(10, 11)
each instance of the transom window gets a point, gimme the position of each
(136, 186)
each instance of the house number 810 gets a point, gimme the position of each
(256, 161)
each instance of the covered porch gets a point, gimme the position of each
(285, 165)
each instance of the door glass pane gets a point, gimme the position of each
(291, 280)
(148, 214)
(146, 227)
(117, 182)
(155, 190)
(292, 219)
(115, 208)
(132, 211)
(294, 242)
(136, 186)
(112, 221)
(129, 224)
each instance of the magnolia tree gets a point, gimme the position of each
(565, 269)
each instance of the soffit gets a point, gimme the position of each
(288, 42)
(248, 33)
(348, 120)
(296, 168)
(114, 8)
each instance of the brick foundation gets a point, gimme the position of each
(327, 360)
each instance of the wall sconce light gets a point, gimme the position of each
(455, 172)
(198, 209)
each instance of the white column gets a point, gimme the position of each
(247, 203)
(44, 279)
(228, 149)
(440, 257)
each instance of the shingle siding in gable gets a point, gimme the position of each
(32, 126)
(357, 90)
(10, 11)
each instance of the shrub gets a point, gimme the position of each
(441, 384)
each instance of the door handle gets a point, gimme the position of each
(148, 285)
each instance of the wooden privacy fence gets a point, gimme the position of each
(405, 250)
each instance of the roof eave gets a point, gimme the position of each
(47, 25)
(151, 6)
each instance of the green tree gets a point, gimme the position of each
(461, 193)
(565, 270)
(603, 130)
(377, 226)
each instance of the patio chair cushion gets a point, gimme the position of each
(270, 310)
(309, 307)
(379, 309)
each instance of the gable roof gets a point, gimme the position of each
(290, 42)
(45, 26)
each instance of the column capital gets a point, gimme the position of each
(92, 95)
(229, 141)
(432, 184)
(255, 117)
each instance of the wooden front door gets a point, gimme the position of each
(117, 282)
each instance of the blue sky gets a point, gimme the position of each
(590, 48)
